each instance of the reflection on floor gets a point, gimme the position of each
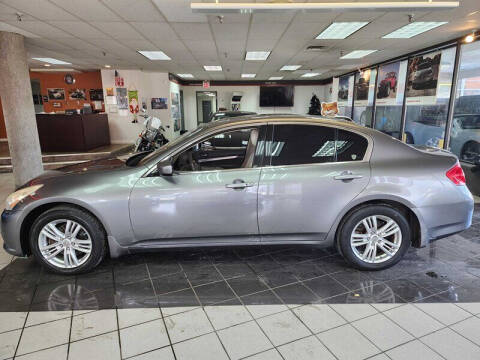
(259, 303)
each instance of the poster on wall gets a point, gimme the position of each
(77, 94)
(97, 94)
(362, 85)
(387, 85)
(122, 99)
(159, 103)
(175, 109)
(56, 94)
(109, 91)
(422, 79)
(342, 94)
(133, 101)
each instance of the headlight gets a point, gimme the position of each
(14, 198)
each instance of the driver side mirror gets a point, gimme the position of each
(165, 168)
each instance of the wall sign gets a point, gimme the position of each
(206, 84)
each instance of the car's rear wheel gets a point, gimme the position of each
(374, 237)
(67, 240)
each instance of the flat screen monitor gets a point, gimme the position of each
(272, 96)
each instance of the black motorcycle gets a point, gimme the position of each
(152, 137)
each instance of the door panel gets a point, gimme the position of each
(196, 204)
(306, 199)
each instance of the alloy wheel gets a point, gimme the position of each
(376, 239)
(65, 243)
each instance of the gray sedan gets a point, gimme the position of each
(258, 180)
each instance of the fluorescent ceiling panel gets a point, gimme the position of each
(257, 55)
(310, 74)
(52, 61)
(341, 30)
(275, 78)
(282, 6)
(154, 55)
(413, 29)
(248, 75)
(189, 76)
(357, 54)
(290, 67)
(212, 67)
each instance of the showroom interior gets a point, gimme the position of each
(78, 79)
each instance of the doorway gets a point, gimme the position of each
(37, 95)
(206, 105)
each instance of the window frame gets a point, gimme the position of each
(203, 137)
(366, 157)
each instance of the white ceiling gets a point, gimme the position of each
(92, 33)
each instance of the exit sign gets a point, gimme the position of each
(206, 84)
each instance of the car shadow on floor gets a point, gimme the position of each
(447, 270)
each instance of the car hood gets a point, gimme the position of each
(103, 164)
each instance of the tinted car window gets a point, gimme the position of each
(310, 144)
(350, 146)
(301, 144)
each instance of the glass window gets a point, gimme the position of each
(350, 146)
(310, 144)
(389, 98)
(465, 131)
(364, 94)
(345, 95)
(229, 150)
(427, 96)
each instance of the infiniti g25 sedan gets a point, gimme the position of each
(244, 181)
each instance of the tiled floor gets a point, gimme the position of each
(256, 303)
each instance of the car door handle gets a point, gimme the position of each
(238, 184)
(347, 176)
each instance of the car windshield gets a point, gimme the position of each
(181, 138)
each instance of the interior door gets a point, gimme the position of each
(199, 200)
(313, 173)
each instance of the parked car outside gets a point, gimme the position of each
(297, 180)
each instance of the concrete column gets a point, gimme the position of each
(18, 109)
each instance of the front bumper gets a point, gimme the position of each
(10, 227)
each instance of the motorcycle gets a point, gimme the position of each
(151, 138)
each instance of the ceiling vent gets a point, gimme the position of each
(316, 48)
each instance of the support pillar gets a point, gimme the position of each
(18, 109)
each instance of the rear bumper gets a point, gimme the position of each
(10, 228)
(440, 221)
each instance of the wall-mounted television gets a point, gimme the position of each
(276, 95)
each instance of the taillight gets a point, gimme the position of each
(456, 175)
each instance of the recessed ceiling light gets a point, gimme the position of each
(257, 55)
(275, 78)
(52, 61)
(290, 67)
(248, 75)
(108, 66)
(413, 29)
(341, 30)
(212, 67)
(185, 75)
(47, 65)
(154, 55)
(310, 74)
(357, 54)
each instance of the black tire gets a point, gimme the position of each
(91, 225)
(348, 224)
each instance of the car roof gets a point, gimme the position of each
(288, 118)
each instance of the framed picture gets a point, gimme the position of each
(77, 94)
(45, 98)
(109, 91)
(56, 94)
(159, 103)
(97, 94)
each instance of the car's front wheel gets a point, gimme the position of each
(67, 240)
(374, 237)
